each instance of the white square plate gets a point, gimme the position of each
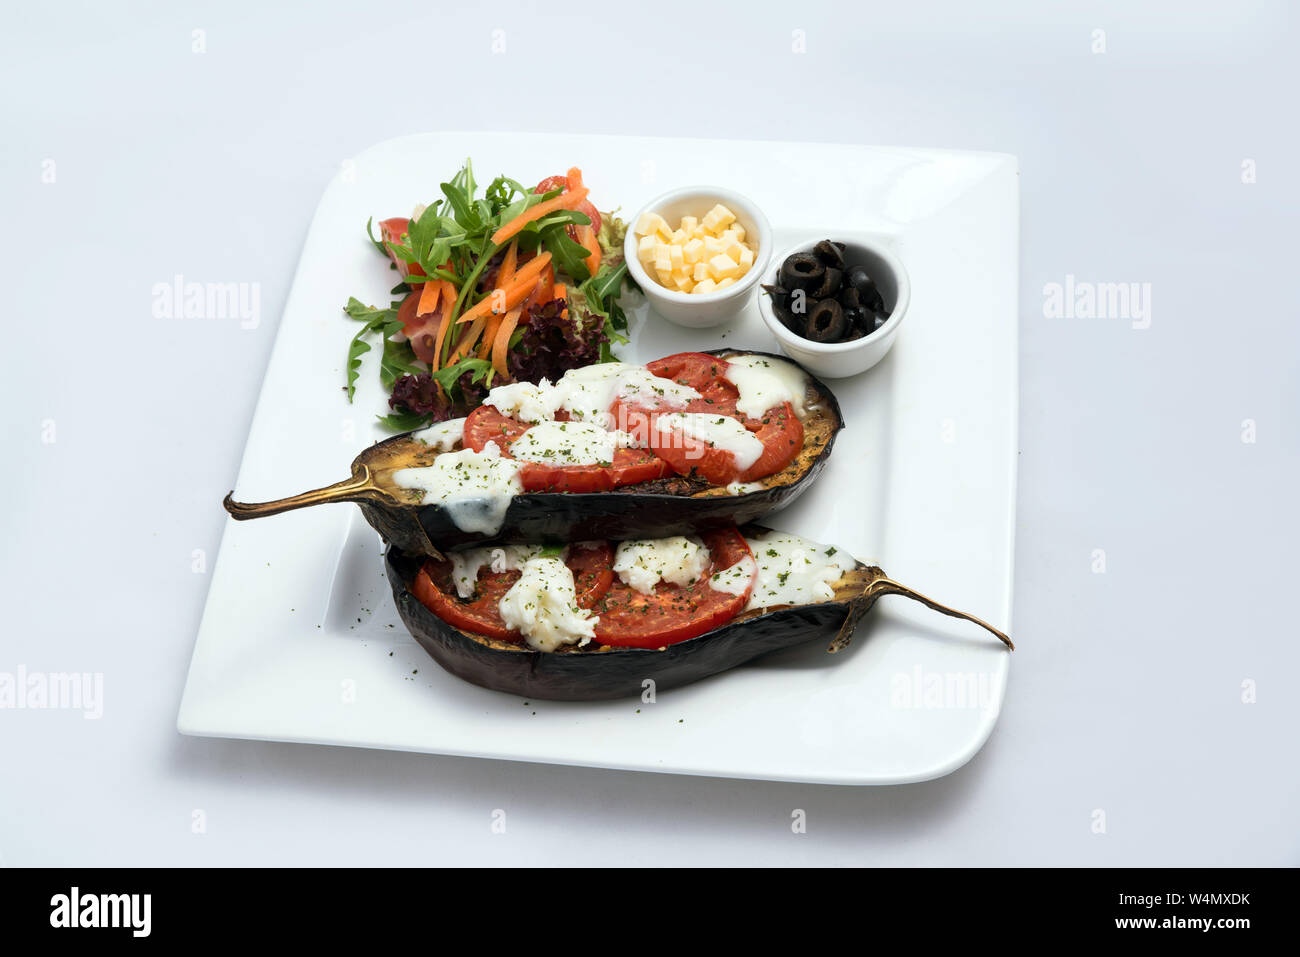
(300, 640)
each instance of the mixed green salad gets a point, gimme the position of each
(515, 285)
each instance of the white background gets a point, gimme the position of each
(1126, 690)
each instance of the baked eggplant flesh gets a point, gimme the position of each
(595, 672)
(667, 506)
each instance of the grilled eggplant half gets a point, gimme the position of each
(671, 506)
(600, 672)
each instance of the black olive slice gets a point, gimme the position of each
(859, 279)
(858, 318)
(830, 284)
(781, 309)
(777, 292)
(878, 321)
(829, 254)
(848, 297)
(868, 294)
(826, 322)
(801, 271)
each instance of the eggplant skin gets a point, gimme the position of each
(617, 515)
(611, 672)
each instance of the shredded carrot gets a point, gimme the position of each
(466, 344)
(503, 300)
(501, 345)
(531, 268)
(489, 336)
(587, 237)
(574, 177)
(444, 326)
(566, 200)
(429, 297)
(508, 264)
(561, 291)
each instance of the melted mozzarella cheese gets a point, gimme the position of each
(795, 571)
(679, 560)
(474, 487)
(764, 382)
(569, 443)
(466, 565)
(735, 580)
(587, 393)
(522, 400)
(717, 431)
(543, 607)
(443, 436)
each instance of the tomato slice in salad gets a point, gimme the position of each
(567, 183)
(421, 330)
(590, 563)
(673, 613)
(392, 231)
(629, 466)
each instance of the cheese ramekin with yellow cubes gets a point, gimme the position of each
(697, 254)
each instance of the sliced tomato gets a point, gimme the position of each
(673, 613)
(567, 183)
(779, 429)
(487, 424)
(630, 466)
(590, 563)
(421, 330)
(392, 231)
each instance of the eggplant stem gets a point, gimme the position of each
(360, 487)
(883, 585)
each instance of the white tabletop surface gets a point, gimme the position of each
(130, 158)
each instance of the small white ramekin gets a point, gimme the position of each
(839, 360)
(714, 308)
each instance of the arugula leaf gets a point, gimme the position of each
(464, 208)
(378, 244)
(373, 320)
(482, 369)
(569, 257)
(403, 421)
(356, 349)
(398, 359)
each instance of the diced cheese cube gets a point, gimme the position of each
(679, 237)
(734, 252)
(723, 266)
(746, 258)
(684, 283)
(675, 255)
(718, 218)
(713, 247)
(701, 271)
(645, 249)
(693, 251)
(706, 286)
(690, 224)
(726, 282)
(665, 276)
(645, 226)
(739, 230)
